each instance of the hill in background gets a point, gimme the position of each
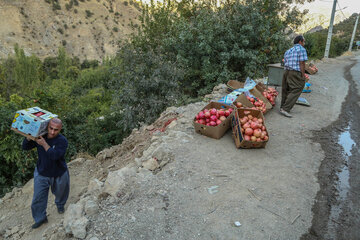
(88, 29)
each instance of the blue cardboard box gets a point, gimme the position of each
(32, 122)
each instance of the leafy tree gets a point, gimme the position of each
(16, 165)
(215, 43)
(145, 84)
(63, 63)
(7, 78)
(27, 71)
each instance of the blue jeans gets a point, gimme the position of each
(60, 187)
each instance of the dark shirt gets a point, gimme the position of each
(51, 163)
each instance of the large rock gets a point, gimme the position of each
(91, 207)
(95, 186)
(150, 164)
(73, 212)
(117, 180)
(78, 227)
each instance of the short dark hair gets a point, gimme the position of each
(298, 39)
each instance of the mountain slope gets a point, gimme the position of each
(88, 29)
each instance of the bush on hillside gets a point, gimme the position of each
(214, 44)
(145, 84)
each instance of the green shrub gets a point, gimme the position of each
(215, 44)
(145, 84)
(88, 13)
(16, 165)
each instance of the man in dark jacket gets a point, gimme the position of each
(293, 81)
(51, 171)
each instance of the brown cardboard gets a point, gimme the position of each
(233, 84)
(261, 87)
(308, 69)
(24, 134)
(214, 131)
(259, 95)
(242, 98)
(238, 137)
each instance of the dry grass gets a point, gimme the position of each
(40, 30)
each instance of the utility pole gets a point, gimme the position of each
(353, 35)
(328, 42)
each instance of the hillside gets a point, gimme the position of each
(344, 28)
(88, 29)
(167, 182)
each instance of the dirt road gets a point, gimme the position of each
(337, 207)
(288, 190)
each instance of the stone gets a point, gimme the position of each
(14, 230)
(151, 164)
(78, 227)
(73, 212)
(94, 185)
(172, 124)
(77, 161)
(8, 196)
(91, 207)
(117, 180)
(138, 162)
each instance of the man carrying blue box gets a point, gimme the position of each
(51, 171)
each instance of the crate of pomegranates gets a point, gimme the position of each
(269, 93)
(213, 120)
(248, 128)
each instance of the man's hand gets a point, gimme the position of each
(41, 141)
(302, 69)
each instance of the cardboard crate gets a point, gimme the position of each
(308, 69)
(242, 98)
(214, 131)
(233, 84)
(238, 137)
(32, 122)
(259, 95)
(261, 87)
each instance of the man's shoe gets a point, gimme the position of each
(60, 211)
(285, 113)
(38, 224)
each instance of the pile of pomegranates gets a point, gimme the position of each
(213, 116)
(253, 128)
(270, 94)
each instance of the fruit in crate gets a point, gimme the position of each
(253, 128)
(270, 94)
(212, 117)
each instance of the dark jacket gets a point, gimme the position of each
(51, 163)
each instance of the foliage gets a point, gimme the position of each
(80, 97)
(182, 49)
(145, 84)
(214, 44)
(16, 165)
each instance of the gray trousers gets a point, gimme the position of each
(292, 85)
(60, 187)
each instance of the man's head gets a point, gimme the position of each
(299, 40)
(54, 128)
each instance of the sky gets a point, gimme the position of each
(325, 6)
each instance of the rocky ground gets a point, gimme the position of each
(167, 182)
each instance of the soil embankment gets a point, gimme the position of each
(202, 185)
